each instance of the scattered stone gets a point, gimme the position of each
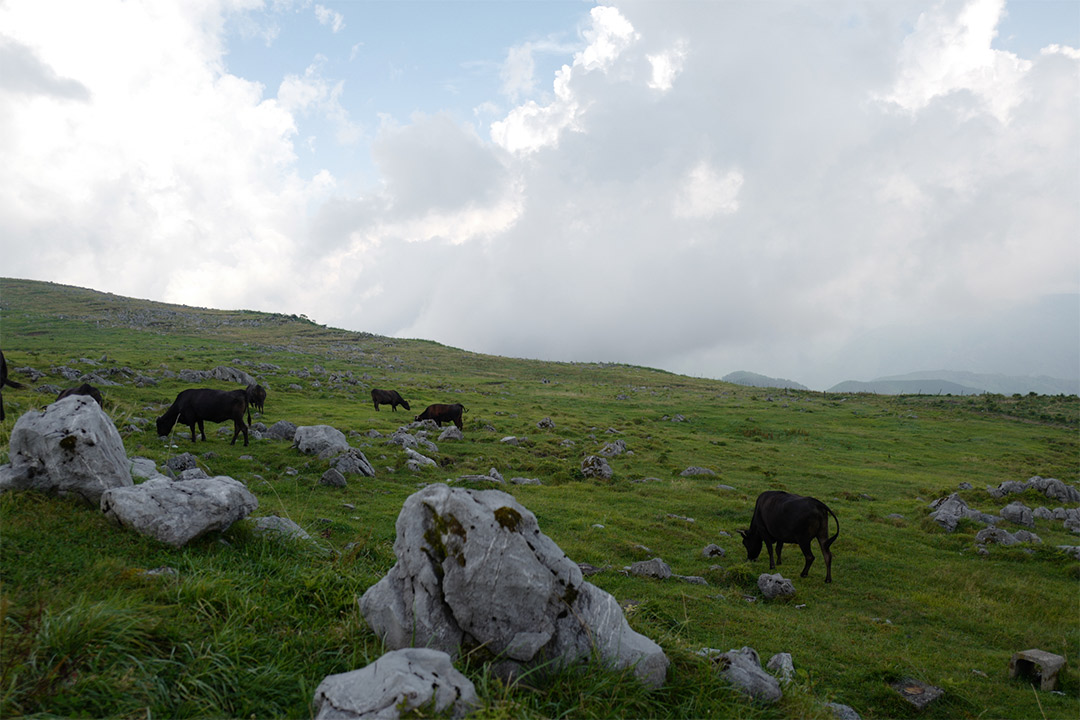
(280, 526)
(918, 694)
(995, 536)
(742, 668)
(712, 550)
(587, 569)
(774, 586)
(143, 468)
(950, 510)
(163, 571)
(594, 466)
(546, 424)
(655, 568)
(473, 569)
(195, 473)
(691, 579)
(613, 449)
(69, 448)
(416, 460)
(398, 683)
(525, 481)
(680, 517)
(843, 712)
(451, 433)
(1037, 664)
(1019, 513)
(354, 462)
(782, 665)
(282, 430)
(512, 440)
(1073, 550)
(694, 470)
(320, 440)
(333, 478)
(178, 512)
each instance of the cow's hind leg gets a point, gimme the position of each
(827, 554)
(779, 549)
(809, 555)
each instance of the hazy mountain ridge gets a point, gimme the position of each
(954, 382)
(750, 379)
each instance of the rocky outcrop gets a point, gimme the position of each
(473, 570)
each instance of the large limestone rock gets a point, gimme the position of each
(178, 512)
(474, 570)
(69, 448)
(397, 683)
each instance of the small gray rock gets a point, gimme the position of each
(333, 478)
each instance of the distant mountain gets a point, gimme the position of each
(950, 382)
(905, 387)
(741, 377)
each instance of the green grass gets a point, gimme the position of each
(249, 626)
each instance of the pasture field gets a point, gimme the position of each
(248, 627)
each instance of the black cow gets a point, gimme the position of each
(256, 396)
(194, 406)
(443, 413)
(782, 517)
(84, 389)
(389, 397)
(5, 380)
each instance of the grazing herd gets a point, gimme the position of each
(779, 517)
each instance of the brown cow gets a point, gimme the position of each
(388, 397)
(782, 517)
(443, 413)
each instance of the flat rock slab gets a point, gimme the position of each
(1039, 663)
(178, 512)
(918, 694)
(396, 684)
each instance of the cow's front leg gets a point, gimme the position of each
(768, 546)
(779, 549)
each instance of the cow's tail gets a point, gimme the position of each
(12, 384)
(829, 542)
(464, 409)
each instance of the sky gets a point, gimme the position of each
(817, 190)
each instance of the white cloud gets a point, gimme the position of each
(666, 66)
(704, 193)
(333, 18)
(312, 92)
(946, 54)
(532, 126)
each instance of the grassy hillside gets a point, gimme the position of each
(248, 627)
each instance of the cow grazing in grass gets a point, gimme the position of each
(5, 380)
(388, 397)
(197, 405)
(256, 396)
(781, 517)
(84, 389)
(443, 413)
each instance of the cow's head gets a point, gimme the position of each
(405, 404)
(164, 426)
(752, 541)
